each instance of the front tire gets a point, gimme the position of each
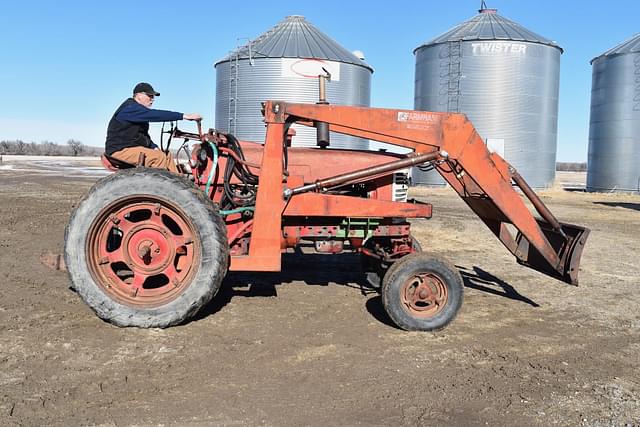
(145, 248)
(422, 293)
(374, 271)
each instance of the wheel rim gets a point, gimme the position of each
(424, 295)
(143, 252)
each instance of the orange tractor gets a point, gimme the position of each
(148, 248)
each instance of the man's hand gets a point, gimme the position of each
(192, 116)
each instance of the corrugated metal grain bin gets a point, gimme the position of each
(614, 124)
(505, 78)
(283, 64)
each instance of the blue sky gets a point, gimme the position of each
(66, 65)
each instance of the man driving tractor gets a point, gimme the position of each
(128, 131)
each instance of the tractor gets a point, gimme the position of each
(148, 248)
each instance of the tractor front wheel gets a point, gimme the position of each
(374, 270)
(422, 293)
(145, 248)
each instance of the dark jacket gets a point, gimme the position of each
(129, 126)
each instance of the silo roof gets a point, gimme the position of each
(488, 25)
(295, 37)
(631, 45)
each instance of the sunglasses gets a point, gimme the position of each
(150, 95)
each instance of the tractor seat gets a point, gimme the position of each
(113, 164)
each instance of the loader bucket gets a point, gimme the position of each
(569, 251)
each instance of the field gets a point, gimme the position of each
(312, 345)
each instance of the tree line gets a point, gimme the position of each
(47, 148)
(571, 167)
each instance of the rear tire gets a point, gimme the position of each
(422, 293)
(146, 248)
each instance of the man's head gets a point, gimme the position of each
(144, 94)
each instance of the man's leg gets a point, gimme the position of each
(153, 158)
(171, 165)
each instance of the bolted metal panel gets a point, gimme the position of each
(508, 88)
(282, 64)
(614, 125)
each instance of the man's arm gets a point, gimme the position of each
(137, 113)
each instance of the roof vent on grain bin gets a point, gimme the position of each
(283, 63)
(505, 78)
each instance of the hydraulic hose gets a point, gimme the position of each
(213, 168)
(212, 172)
(237, 210)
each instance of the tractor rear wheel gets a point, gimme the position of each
(145, 248)
(422, 293)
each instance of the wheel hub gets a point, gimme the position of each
(424, 295)
(148, 249)
(143, 252)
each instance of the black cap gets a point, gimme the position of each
(146, 88)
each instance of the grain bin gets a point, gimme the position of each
(283, 64)
(614, 124)
(505, 78)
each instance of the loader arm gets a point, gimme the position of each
(484, 180)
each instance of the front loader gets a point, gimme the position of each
(148, 248)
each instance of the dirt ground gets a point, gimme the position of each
(311, 346)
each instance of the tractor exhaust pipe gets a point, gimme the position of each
(322, 128)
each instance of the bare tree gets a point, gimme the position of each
(76, 147)
(50, 148)
(33, 148)
(20, 146)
